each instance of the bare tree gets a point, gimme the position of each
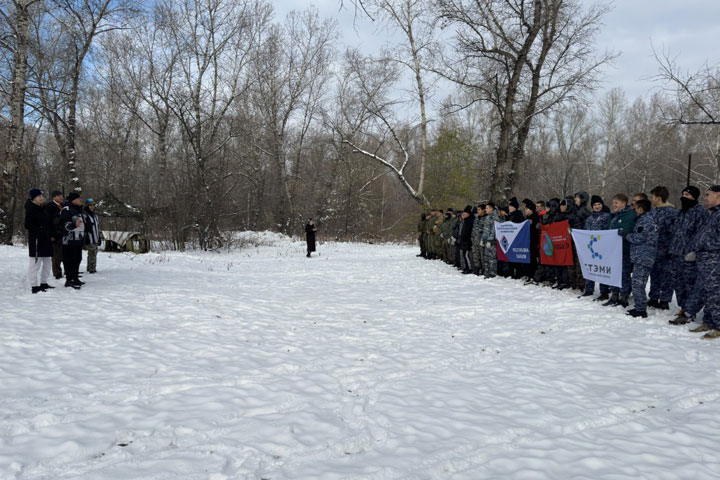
(217, 40)
(291, 73)
(697, 93)
(63, 44)
(371, 81)
(525, 57)
(18, 43)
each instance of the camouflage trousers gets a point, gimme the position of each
(490, 260)
(91, 258)
(661, 280)
(477, 256)
(640, 275)
(684, 275)
(708, 264)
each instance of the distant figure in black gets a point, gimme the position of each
(310, 229)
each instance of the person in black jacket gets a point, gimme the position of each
(39, 229)
(52, 209)
(465, 239)
(530, 211)
(515, 216)
(310, 229)
(73, 228)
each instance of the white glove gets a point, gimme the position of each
(488, 245)
(690, 257)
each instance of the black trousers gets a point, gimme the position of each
(72, 257)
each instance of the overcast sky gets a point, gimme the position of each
(686, 29)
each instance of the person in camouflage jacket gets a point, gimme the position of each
(707, 255)
(643, 250)
(477, 246)
(488, 240)
(691, 218)
(661, 284)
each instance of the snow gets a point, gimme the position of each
(362, 363)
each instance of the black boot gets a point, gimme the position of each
(653, 302)
(637, 313)
(602, 297)
(624, 302)
(72, 284)
(662, 305)
(586, 294)
(45, 286)
(613, 302)
(36, 289)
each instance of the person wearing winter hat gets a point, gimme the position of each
(599, 219)
(706, 248)
(465, 239)
(691, 217)
(477, 248)
(39, 229)
(531, 214)
(52, 210)
(73, 227)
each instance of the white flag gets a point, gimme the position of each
(600, 255)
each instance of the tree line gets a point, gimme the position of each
(215, 116)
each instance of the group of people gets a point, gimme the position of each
(676, 249)
(58, 231)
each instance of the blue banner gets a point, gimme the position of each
(513, 241)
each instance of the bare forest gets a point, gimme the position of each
(194, 119)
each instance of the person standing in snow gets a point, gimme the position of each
(488, 240)
(465, 239)
(71, 222)
(707, 255)
(599, 219)
(643, 250)
(661, 284)
(92, 235)
(529, 209)
(52, 209)
(624, 220)
(310, 229)
(690, 220)
(39, 227)
(477, 250)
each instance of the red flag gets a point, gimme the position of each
(556, 244)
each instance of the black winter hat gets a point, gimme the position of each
(529, 204)
(693, 191)
(596, 199)
(514, 203)
(714, 188)
(55, 193)
(73, 196)
(34, 192)
(468, 209)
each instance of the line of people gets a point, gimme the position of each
(58, 231)
(676, 249)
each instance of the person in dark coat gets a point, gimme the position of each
(599, 219)
(39, 229)
(529, 209)
(515, 216)
(71, 221)
(52, 209)
(310, 229)
(465, 239)
(547, 273)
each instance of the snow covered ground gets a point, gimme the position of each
(363, 363)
